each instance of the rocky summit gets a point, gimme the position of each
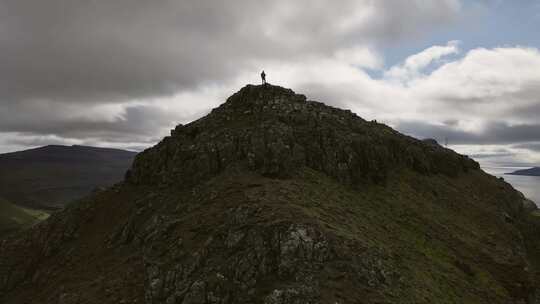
(275, 199)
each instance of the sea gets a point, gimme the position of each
(528, 185)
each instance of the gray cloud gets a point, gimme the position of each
(103, 51)
(138, 123)
(109, 72)
(532, 146)
(496, 144)
(62, 61)
(494, 154)
(493, 133)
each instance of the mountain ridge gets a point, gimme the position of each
(274, 109)
(275, 199)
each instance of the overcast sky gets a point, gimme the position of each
(122, 73)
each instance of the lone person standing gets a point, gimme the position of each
(263, 77)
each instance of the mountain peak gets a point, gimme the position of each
(275, 131)
(251, 89)
(265, 91)
(263, 95)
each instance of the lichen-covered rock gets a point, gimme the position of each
(276, 131)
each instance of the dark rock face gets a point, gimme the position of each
(294, 251)
(276, 132)
(278, 200)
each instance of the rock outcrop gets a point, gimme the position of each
(275, 199)
(277, 131)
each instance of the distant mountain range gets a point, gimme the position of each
(49, 177)
(528, 172)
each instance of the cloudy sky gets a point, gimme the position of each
(123, 73)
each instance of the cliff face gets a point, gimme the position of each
(271, 198)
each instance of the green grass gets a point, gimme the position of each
(445, 237)
(431, 232)
(13, 217)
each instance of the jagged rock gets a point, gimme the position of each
(276, 132)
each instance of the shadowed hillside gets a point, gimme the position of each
(51, 176)
(275, 199)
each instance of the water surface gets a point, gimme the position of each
(528, 185)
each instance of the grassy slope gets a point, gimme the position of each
(444, 244)
(446, 239)
(447, 246)
(13, 218)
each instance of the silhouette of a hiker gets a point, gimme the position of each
(263, 77)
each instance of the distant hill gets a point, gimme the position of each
(529, 172)
(13, 218)
(51, 176)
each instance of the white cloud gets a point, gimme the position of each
(360, 57)
(413, 66)
(483, 97)
(122, 73)
(489, 84)
(88, 69)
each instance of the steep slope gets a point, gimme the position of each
(529, 172)
(51, 176)
(275, 199)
